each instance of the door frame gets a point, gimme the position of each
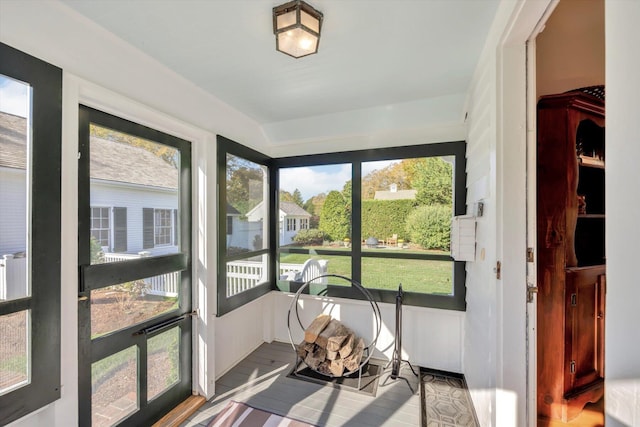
(104, 274)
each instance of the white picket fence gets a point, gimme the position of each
(245, 275)
(13, 277)
(166, 285)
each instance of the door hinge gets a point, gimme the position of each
(529, 254)
(498, 270)
(574, 300)
(572, 367)
(530, 291)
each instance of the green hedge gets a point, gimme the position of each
(430, 226)
(309, 237)
(335, 217)
(384, 218)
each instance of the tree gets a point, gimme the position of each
(335, 218)
(433, 181)
(381, 179)
(244, 184)
(285, 196)
(297, 198)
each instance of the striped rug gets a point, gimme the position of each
(237, 414)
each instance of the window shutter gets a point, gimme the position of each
(119, 229)
(148, 232)
(229, 225)
(175, 226)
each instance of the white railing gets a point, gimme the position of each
(13, 277)
(245, 275)
(166, 285)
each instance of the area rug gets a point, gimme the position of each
(445, 400)
(237, 414)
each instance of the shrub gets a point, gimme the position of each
(384, 218)
(430, 226)
(312, 236)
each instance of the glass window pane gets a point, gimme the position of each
(120, 306)
(415, 275)
(114, 391)
(136, 181)
(247, 205)
(15, 148)
(14, 351)
(245, 274)
(315, 206)
(407, 204)
(163, 362)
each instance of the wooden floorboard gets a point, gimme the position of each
(260, 380)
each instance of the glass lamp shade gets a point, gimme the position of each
(297, 28)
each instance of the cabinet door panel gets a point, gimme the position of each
(587, 325)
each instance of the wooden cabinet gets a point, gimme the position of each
(571, 255)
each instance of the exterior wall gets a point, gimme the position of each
(13, 211)
(431, 338)
(286, 236)
(622, 336)
(135, 199)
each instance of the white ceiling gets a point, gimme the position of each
(372, 53)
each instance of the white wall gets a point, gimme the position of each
(92, 61)
(570, 49)
(431, 337)
(622, 336)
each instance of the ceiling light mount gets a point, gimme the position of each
(297, 25)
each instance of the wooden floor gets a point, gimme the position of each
(261, 381)
(591, 416)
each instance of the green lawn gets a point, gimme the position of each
(434, 277)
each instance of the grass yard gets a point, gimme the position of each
(434, 277)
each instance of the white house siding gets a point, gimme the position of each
(479, 362)
(13, 211)
(622, 335)
(135, 199)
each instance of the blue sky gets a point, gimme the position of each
(14, 97)
(322, 179)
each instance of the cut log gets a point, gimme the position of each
(334, 343)
(303, 348)
(316, 357)
(328, 332)
(336, 367)
(314, 329)
(332, 355)
(347, 346)
(352, 362)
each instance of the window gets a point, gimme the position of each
(163, 227)
(390, 212)
(291, 224)
(304, 224)
(30, 141)
(244, 253)
(100, 225)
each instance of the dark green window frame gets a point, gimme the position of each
(226, 304)
(44, 302)
(457, 149)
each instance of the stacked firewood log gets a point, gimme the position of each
(330, 348)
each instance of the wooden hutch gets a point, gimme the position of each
(571, 253)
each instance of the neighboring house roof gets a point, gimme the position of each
(231, 210)
(286, 209)
(395, 195)
(292, 209)
(110, 160)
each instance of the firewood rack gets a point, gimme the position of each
(396, 360)
(293, 307)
